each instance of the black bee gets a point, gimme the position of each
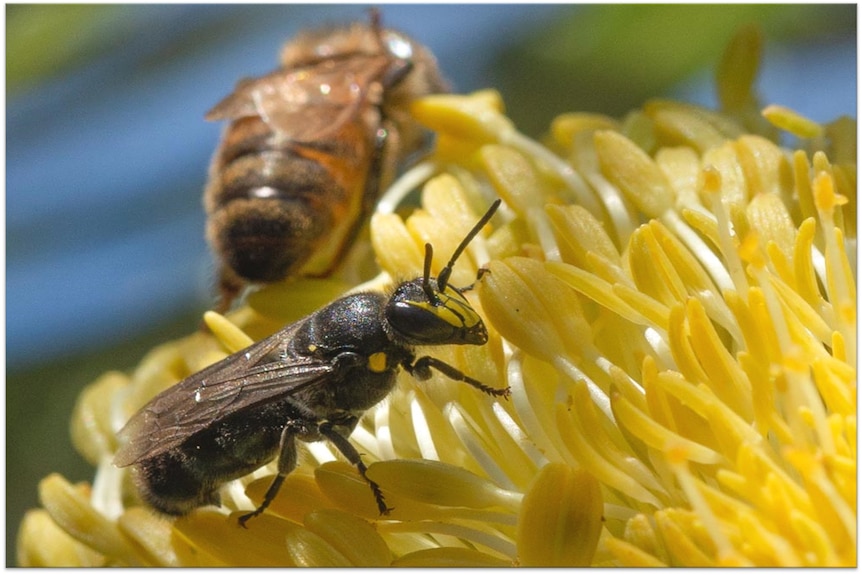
(312, 380)
(308, 149)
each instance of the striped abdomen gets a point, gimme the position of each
(278, 208)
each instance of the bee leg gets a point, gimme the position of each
(286, 464)
(421, 370)
(346, 448)
(396, 74)
(479, 274)
(229, 286)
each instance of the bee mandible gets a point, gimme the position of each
(310, 381)
(308, 149)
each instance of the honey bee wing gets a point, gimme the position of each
(249, 377)
(305, 104)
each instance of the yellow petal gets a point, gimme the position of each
(288, 301)
(764, 164)
(596, 289)
(439, 483)
(354, 538)
(43, 543)
(343, 485)
(676, 123)
(566, 126)
(725, 376)
(91, 428)
(681, 540)
(70, 508)
(631, 170)
(230, 335)
(791, 121)
(261, 544)
(561, 519)
(684, 172)
(524, 302)
(658, 437)
(513, 177)
(396, 250)
(476, 116)
(449, 557)
(307, 549)
(579, 233)
(152, 536)
(298, 496)
(628, 555)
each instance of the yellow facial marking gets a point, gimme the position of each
(456, 310)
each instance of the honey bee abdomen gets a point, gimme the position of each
(270, 209)
(243, 137)
(272, 174)
(278, 208)
(263, 240)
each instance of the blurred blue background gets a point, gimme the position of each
(107, 151)
(106, 163)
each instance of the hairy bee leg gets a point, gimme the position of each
(286, 464)
(346, 448)
(230, 287)
(384, 163)
(421, 370)
(267, 499)
(396, 74)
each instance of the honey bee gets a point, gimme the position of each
(308, 149)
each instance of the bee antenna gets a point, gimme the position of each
(426, 275)
(443, 276)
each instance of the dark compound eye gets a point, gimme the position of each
(419, 324)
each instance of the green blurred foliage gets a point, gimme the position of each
(611, 58)
(43, 40)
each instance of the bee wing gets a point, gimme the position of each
(305, 104)
(251, 376)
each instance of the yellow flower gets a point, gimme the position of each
(671, 299)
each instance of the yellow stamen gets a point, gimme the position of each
(793, 122)
(560, 519)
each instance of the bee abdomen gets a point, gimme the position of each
(269, 210)
(262, 240)
(272, 174)
(170, 486)
(179, 480)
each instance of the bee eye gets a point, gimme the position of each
(420, 324)
(449, 320)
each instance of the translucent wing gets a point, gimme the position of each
(251, 376)
(308, 103)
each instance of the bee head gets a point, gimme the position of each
(428, 311)
(444, 318)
